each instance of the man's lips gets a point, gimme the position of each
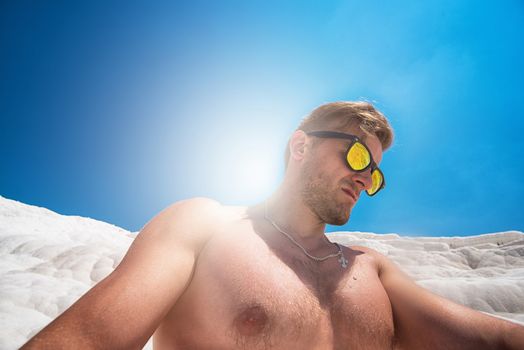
(351, 193)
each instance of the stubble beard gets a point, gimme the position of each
(321, 198)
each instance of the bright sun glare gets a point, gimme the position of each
(246, 174)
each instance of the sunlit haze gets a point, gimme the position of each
(115, 110)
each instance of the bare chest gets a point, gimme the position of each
(245, 295)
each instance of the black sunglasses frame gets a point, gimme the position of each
(354, 139)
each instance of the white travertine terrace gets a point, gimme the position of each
(48, 260)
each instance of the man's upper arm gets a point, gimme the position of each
(424, 320)
(125, 308)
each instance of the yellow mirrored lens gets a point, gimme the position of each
(376, 182)
(358, 156)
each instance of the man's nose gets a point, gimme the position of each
(363, 179)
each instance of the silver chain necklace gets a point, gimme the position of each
(342, 259)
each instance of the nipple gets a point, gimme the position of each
(251, 321)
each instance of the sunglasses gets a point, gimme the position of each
(358, 158)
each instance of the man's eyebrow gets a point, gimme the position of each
(363, 138)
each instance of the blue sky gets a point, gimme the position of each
(115, 109)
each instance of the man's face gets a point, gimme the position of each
(328, 186)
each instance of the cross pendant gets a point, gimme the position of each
(343, 261)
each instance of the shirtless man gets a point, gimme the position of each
(201, 275)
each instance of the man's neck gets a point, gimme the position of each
(292, 215)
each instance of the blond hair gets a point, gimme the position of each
(345, 114)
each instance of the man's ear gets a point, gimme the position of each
(297, 145)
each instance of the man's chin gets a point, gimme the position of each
(340, 220)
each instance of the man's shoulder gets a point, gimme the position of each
(201, 210)
(196, 205)
(364, 250)
(195, 218)
(194, 222)
(375, 257)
